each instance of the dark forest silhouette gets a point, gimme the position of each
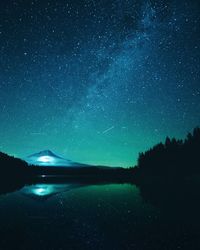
(12, 167)
(175, 158)
(168, 176)
(13, 173)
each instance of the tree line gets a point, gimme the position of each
(12, 167)
(172, 158)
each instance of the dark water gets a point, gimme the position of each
(112, 216)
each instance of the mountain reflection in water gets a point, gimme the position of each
(107, 216)
(45, 191)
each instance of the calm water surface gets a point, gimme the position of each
(75, 216)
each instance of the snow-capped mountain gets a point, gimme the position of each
(48, 158)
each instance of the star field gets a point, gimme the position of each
(97, 81)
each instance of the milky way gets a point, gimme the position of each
(97, 81)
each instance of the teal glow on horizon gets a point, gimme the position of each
(99, 83)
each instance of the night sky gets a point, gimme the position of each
(97, 81)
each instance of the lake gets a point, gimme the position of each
(107, 216)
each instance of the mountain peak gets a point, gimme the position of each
(47, 152)
(48, 158)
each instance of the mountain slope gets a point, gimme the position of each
(48, 158)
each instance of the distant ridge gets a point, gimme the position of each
(48, 158)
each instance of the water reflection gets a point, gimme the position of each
(178, 198)
(45, 191)
(109, 216)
